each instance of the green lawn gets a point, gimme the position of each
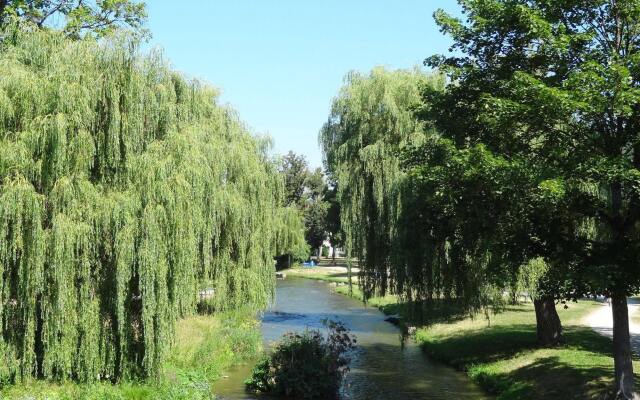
(504, 359)
(324, 272)
(205, 347)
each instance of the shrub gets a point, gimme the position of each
(305, 365)
(325, 251)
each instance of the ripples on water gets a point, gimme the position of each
(381, 367)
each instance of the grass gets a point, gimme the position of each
(338, 278)
(326, 271)
(387, 304)
(505, 360)
(205, 347)
(503, 357)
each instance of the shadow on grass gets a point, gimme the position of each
(577, 369)
(548, 378)
(504, 341)
(482, 345)
(427, 312)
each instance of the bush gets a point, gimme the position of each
(325, 251)
(307, 365)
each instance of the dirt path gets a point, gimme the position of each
(601, 321)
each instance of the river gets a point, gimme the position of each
(382, 368)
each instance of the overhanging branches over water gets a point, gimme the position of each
(124, 189)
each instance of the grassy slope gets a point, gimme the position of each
(503, 356)
(205, 347)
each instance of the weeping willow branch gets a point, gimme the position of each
(371, 119)
(124, 190)
(408, 226)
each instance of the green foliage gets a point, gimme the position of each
(305, 366)
(371, 120)
(554, 87)
(304, 190)
(332, 220)
(124, 190)
(315, 217)
(400, 187)
(543, 84)
(295, 169)
(290, 233)
(96, 18)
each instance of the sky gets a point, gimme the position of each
(279, 63)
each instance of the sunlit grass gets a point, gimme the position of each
(204, 348)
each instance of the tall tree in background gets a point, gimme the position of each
(295, 170)
(371, 119)
(315, 210)
(333, 225)
(304, 190)
(77, 17)
(556, 84)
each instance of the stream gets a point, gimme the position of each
(381, 368)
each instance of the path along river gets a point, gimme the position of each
(382, 367)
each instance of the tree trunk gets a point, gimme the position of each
(622, 347)
(3, 5)
(548, 323)
(333, 255)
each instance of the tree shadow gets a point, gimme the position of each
(425, 313)
(483, 345)
(501, 342)
(548, 376)
(560, 381)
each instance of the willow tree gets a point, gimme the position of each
(428, 219)
(371, 119)
(124, 190)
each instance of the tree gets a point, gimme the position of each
(295, 169)
(124, 190)
(315, 209)
(333, 226)
(315, 216)
(455, 236)
(304, 190)
(556, 84)
(432, 220)
(371, 119)
(80, 17)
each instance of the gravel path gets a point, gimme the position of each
(601, 321)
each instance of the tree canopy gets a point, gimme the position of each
(124, 190)
(371, 119)
(77, 18)
(554, 85)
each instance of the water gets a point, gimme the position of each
(382, 367)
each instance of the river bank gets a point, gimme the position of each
(502, 357)
(206, 347)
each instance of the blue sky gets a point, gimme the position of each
(280, 62)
